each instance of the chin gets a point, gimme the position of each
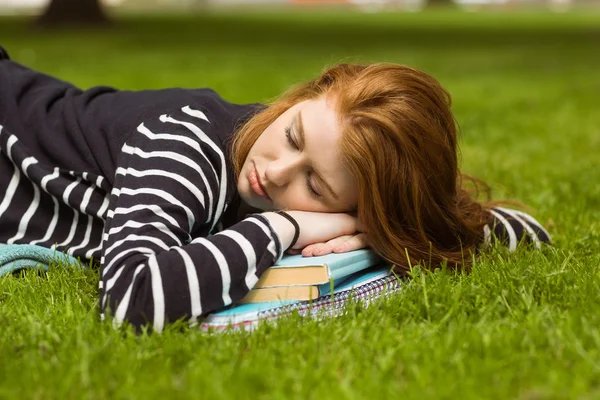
(250, 200)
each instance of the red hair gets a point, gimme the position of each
(400, 143)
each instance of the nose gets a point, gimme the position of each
(281, 171)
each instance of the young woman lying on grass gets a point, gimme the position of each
(175, 190)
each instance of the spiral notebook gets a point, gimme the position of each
(365, 287)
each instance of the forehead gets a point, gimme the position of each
(321, 123)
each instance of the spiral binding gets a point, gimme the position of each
(324, 306)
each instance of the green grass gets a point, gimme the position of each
(523, 326)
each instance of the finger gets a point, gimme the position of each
(321, 249)
(311, 250)
(354, 243)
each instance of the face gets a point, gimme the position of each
(295, 164)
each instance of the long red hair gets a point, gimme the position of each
(400, 143)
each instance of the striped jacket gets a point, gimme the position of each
(142, 182)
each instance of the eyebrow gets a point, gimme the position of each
(301, 143)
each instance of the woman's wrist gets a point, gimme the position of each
(293, 221)
(284, 228)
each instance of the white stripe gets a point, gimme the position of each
(151, 207)
(103, 208)
(35, 203)
(158, 225)
(223, 181)
(194, 284)
(54, 222)
(124, 304)
(48, 178)
(86, 239)
(512, 243)
(487, 236)
(531, 232)
(52, 225)
(90, 190)
(195, 113)
(158, 294)
(114, 192)
(68, 191)
(134, 237)
(165, 196)
(10, 191)
(223, 267)
(271, 247)
(12, 139)
(248, 251)
(181, 159)
(157, 172)
(72, 231)
(26, 217)
(73, 228)
(86, 198)
(186, 140)
(142, 250)
(533, 221)
(26, 164)
(111, 282)
(14, 181)
(90, 252)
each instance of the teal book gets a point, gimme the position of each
(320, 270)
(364, 286)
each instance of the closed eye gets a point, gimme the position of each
(311, 190)
(288, 134)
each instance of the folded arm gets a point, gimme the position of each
(160, 262)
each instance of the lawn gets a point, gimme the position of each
(525, 325)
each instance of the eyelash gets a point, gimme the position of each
(288, 134)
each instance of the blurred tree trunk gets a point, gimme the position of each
(73, 13)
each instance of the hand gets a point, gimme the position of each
(317, 227)
(339, 244)
(342, 244)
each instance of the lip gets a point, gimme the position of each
(256, 184)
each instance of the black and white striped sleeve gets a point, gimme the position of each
(159, 261)
(512, 227)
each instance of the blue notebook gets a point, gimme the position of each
(364, 286)
(319, 270)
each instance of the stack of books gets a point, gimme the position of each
(296, 277)
(312, 286)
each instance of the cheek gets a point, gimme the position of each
(292, 198)
(262, 146)
(296, 199)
